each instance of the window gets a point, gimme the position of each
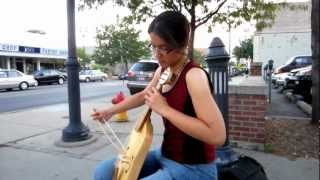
(13, 74)
(54, 72)
(97, 72)
(299, 61)
(306, 60)
(144, 66)
(3, 74)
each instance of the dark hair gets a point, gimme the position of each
(172, 27)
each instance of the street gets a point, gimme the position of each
(55, 94)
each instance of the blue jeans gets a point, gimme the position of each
(157, 167)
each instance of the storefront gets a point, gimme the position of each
(28, 59)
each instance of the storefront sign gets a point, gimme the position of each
(33, 50)
(9, 47)
(56, 52)
(27, 49)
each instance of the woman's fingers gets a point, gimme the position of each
(151, 96)
(155, 91)
(98, 116)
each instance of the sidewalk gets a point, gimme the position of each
(27, 147)
(281, 108)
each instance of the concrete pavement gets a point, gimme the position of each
(28, 150)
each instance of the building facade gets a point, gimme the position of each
(28, 59)
(289, 36)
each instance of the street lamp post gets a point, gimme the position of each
(217, 60)
(76, 130)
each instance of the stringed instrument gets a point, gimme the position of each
(131, 157)
(130, 161)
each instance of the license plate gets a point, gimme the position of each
(141, 78)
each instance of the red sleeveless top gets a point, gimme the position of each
(177, 145)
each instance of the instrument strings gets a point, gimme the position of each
(120, 147)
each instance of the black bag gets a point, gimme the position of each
(245, 168)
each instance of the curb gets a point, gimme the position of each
(271, 118)
(298, 100)
(292, 97)
(305, 107)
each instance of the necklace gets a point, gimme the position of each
(176, 74)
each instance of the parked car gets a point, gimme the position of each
(49, 76)
(300, 80)
(140, 74)
(294, 63)
(10, 79)
(123, 76)
(92, 75)
(279, 80)
(64, 73)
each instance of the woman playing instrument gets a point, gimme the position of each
(192, 120)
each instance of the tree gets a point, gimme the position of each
(119, 44)
(315, 23)
(84, 59)
(199, 12)
(199, 57)
(245, 50)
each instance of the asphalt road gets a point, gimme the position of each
(56, 94)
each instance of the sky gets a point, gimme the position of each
(50, 16)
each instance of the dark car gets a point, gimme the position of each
(300, 80)
(49, 76)
(123, 76)
(140, 74)
(294, 63)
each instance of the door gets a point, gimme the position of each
(4, 80)
(14, 78)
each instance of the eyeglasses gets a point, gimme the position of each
(160, 50)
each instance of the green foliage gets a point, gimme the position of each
(119, 44)
(245, 50)
(268, 148)
(199, 12)
(84, 59)
(199, 57)
(239, 66)
(98, 66)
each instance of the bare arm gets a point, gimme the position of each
(128, 103)
(208, 126)
(137, 99)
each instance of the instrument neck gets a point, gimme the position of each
(148, 111)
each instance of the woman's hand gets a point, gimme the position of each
(156, 101)
(101, 115)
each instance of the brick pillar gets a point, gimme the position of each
(255, 68)
(247, 107)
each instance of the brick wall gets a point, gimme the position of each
(246, 118)
(255, 68)
(247, 108)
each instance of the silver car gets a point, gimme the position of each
(10, 79)
(92, 75)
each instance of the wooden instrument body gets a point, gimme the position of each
(130, 162)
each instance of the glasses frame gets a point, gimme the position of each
(160, 50)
